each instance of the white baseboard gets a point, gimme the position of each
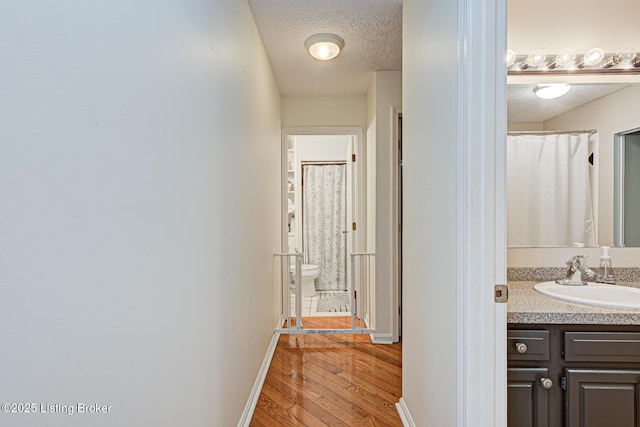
(247, 414)
(377, 338)
(404, 413)
(381, 338)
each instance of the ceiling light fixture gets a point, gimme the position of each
(324, 46)
(566, 62)
(551, 91)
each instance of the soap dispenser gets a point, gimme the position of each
(605, 271)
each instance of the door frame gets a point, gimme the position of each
(482, 122)
(356, 133)
(396, 219)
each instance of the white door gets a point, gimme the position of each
(454, 131)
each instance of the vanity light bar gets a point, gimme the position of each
(594, 61)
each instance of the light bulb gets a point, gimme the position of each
(564, 58)
(324, 51)
(624, 57)
(510, 58)
(535, 59)
(324, 46)
(591, 57)
(551, 91)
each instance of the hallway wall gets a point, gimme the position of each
(431, 269)
(385, 93)
(324, 111)
(138, 141)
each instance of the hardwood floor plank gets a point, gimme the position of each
(333, 380)
(313, 405)
(271, 415)
(276, 396)
(360, 401)
(308, 419)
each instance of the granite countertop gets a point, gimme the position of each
(526, 305)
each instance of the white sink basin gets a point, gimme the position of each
(599, 294)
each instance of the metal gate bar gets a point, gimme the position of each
(357, 294)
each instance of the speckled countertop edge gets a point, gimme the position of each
(526, 305)
(543, 274)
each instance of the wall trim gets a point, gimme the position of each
(405, 415)
(396, 304)
(481, 381)
(247, 414)
(381, 338)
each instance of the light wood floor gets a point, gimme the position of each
(331, 380)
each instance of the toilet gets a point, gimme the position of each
(310, 272)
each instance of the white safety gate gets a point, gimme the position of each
(358, 292)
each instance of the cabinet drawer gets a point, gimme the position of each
(527, 345)
(602, 346)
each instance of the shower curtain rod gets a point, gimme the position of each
(550, 132)
(323, 162)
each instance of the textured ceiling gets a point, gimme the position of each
(371, 29)
(525, 107)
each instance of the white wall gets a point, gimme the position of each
(431, 270)
(324, 111)
(515, 126)
(137, 142)
(572, 24)
(314, 148)
(385, 94)
(615, 113)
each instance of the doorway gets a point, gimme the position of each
(321, 189)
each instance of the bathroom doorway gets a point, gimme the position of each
(321, 199)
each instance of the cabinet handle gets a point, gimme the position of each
(521, 347)
(546, 383)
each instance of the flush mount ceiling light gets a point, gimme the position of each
(324, 46)
(593, 61)
(551, 91)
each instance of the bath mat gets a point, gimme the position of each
(333, 302)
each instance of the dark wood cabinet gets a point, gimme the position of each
(527, 398)
(599, 397)
(573, 376)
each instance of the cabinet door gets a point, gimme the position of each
(527, 399)
(596, 398)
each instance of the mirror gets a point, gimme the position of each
(604, 102)
(612, 109)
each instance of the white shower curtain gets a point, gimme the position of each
(324, 220)
(551, 190)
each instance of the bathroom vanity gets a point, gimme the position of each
(571, 364)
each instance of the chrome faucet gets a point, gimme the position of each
(577, 274)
